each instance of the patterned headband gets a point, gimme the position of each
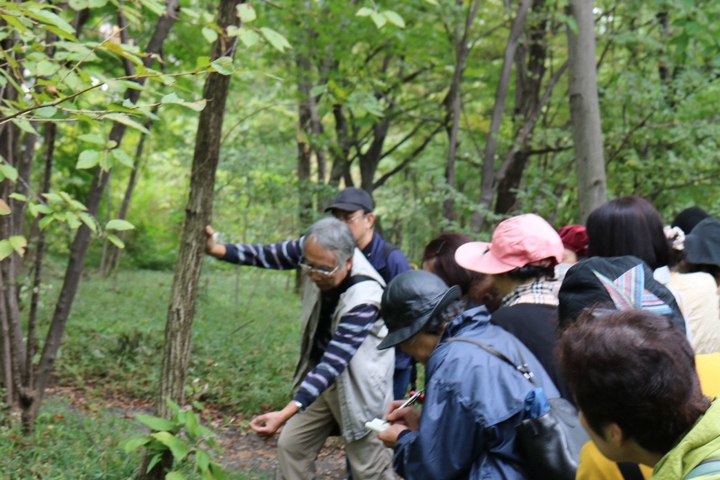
(627, 292)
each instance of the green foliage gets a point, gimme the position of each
(245, 336)
(184, 437)
(69, 444)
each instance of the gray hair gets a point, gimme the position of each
(332, 235)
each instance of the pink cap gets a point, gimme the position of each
(516, 242)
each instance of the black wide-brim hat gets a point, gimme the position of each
(410, 300)
(702, 245)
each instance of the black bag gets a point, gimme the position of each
(552, 441)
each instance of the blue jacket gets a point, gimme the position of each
(473, 400)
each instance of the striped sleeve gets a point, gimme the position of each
(277, 256)
(352, 330)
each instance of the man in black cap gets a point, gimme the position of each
(354, 207)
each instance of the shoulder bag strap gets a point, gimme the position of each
(524, 369)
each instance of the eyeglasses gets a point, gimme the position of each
(348, 218)
(322, 271)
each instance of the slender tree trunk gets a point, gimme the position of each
(83, 235)
(113, 261)
(585, 110)
(528, 82)
(452, 102)
(178, 329)
(49, 140)
(488, 183)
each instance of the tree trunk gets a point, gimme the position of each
(452, 102)
(488, 183)
(585, 110)
(83, 235)
(113, 260)
(178, 329)
(528, 82)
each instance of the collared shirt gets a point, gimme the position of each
(541, 292)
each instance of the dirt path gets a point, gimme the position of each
(244, 451)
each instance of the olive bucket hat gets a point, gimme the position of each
(410, 300)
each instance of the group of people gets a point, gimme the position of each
(620, 317)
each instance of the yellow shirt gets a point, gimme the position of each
(594, 466)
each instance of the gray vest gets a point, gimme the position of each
(365, 387)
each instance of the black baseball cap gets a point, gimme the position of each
(702, 245)
(352, 199)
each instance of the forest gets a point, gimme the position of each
(126, 126)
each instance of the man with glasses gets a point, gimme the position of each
(340, 380)
(354, 207)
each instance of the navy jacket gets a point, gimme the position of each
(388, 268)
(473, 400)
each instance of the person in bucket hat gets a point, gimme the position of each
(473, 400)
(521, 259)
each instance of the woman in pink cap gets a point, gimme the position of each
(521, 260)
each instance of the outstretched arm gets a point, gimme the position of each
(277, 256)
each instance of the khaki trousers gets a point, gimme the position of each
(304, 434)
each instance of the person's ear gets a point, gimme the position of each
(370, 217)
(615, 434)
(348, 264)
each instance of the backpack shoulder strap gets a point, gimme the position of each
(630, 471)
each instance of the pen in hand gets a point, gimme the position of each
(414, 398)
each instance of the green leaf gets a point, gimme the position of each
(379, 19)
(174, 407)
(249, 37)
(18, 244)
(8, 171)
(118, 224)
(202, 459)
(174, 99)
(125, 120)
(246, 12)
(51, 18)
(88, 220)
(224, 66)
(46, 68)
(209, 34)
(78, 5)
(217, 472)
(5, 249)
(178, 447)
(174, 476)
(40, 208)
(45, 221)
(153, 461)
(98, 3)
(72, 220)
(203, 62)
(122, 157)
(394, 18)
(132, 444)
(18, 196)
(4, 208)
(53, 197)
(275, 39)
(364, 12)
(88, 159)
(432, 2)
(25, 126)
(156, 423)
(116, 240)
(318, 90)
(46, 112)
(92, 138)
